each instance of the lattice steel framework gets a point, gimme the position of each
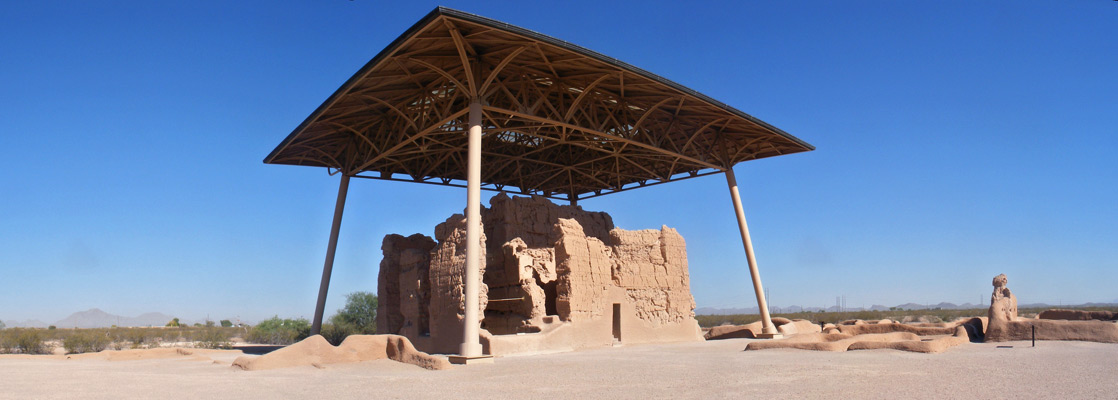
(558, 121)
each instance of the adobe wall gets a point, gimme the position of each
(1005, 325)
(403, 286)
(551, 273)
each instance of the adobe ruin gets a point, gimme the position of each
(1004, 324)
(554, 278)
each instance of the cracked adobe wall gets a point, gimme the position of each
(561, 277)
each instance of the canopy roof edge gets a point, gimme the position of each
(637, 160)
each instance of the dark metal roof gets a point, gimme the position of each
(382, 120)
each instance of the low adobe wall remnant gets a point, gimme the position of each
(1001, 324)
(1005, 325)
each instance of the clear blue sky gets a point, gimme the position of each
(956, 140)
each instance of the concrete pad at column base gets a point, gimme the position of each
(767, 336)
(464, 360)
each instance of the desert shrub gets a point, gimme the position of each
(212, 338)
(86, 341)
(174, 323)
(336, 334)
(7, 342)
(31, 341)
(226, 323)
(24, 341)
(171, 335)
(359, 314)
(135, 338)
(279, 331)
(187, 334)
(2, 325)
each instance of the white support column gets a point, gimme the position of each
(769, 331)
(471, 343)
(328, 266)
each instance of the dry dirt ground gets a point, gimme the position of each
(715, 369)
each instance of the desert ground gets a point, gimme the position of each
(712, 369)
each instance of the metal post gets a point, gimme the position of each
(328, 267)
(471, 344)
(768, 330)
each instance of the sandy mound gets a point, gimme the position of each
(935, 345)
(829, 341)
(316, 351)
(873, 335)
(918, 329)
(785, 326)
(149, 354)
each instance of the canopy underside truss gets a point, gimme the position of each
(558, 120)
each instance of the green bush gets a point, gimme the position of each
(359, 314)
(279, 331)
(226, 323)
(7, 342)
(174, 323)
(86, 341)
(24, 341)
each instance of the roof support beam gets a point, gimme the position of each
(498, 68)
(606, 135)
(460, 43)
(410, 139)
(471, 340)
(768, 330)
(331, 248)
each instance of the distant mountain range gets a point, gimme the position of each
(95, 318)
(878, 307)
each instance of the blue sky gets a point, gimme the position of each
(956, 140)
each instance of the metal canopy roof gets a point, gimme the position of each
(559, 120)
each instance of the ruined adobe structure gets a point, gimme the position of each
(1003, 309)
(1005, 325)
(553, 278)
(1001, 324)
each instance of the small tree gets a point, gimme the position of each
(2, 325)
(226, 323)
(360, 312)
(174, 323)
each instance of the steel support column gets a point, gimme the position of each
(328, 266)
(471, 343)
(768, 329)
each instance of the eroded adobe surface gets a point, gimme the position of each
(1005, 325)
(1001, 324)
(564, 277)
